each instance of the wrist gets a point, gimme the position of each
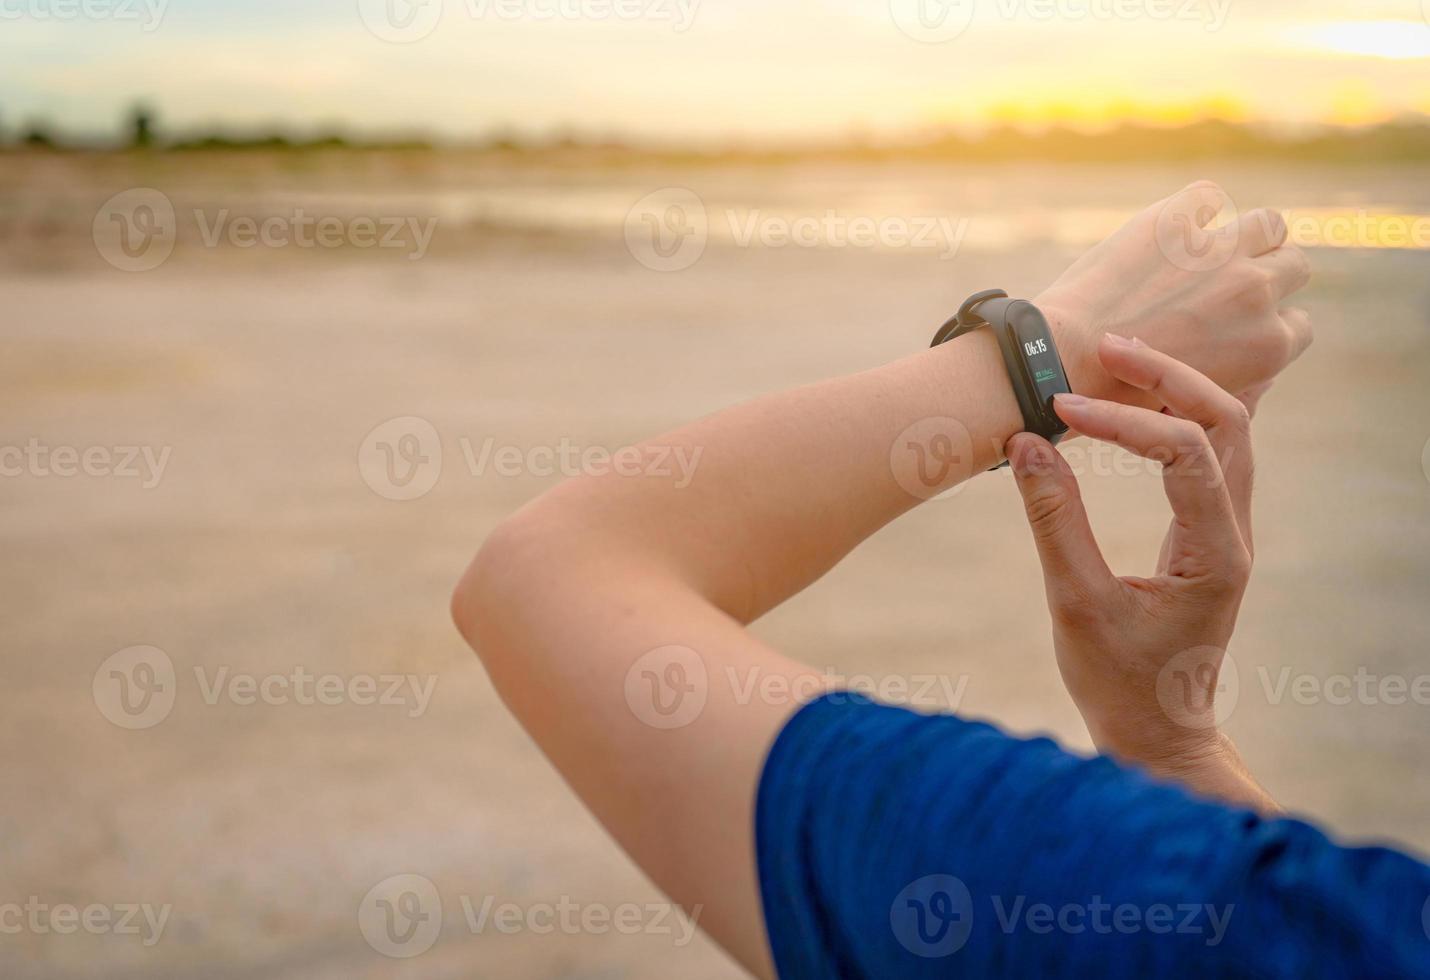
(1149, 741)
(1215, 769)
(975, 359)
(1076, 347)
(1190, 760)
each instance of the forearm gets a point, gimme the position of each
(785, 486)
(611, 590)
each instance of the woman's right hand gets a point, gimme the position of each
(1142, 657)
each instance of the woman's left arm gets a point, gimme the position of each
(610, 612)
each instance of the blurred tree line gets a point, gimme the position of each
(1404, 139)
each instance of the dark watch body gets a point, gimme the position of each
(1035, 368)
(1035, 361)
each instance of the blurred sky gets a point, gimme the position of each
(710, 69)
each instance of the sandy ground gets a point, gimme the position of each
(263, 549)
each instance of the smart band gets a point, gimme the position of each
(1034, 366)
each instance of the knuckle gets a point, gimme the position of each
(1233, 574)
(1049, 510)
(1243, 565)
(1303, 331)
(1276, 344)
(1274, 222)
(1207, 193)
(1287, 342)
(1191, 438)
(1250, 290)
(1193, 454)
(1236, 417)
(1258, 292)
(1261, 220)
(1200, 200)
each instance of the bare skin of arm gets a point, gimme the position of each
(608, 584)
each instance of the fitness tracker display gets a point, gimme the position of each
(1034, 366)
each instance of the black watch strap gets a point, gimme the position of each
(1034, 366)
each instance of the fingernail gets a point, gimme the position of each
(1018, 450)
(1116, 339)
(1027, 455)
(1069, 399)
(1138, 342)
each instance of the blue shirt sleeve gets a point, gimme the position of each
(897, 844)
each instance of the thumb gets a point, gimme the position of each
(1073, 566)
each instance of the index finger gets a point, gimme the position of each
(1190, 472)
(1192, 395)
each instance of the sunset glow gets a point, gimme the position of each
(1394, 39)
(723, 69)
(1093, 110)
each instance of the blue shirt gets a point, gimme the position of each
(897, 844)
